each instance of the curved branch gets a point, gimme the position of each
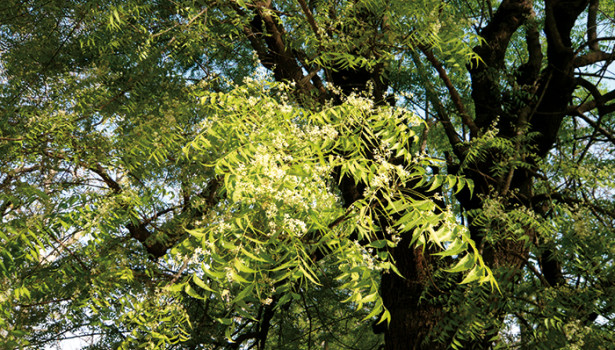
(455, 97)
(589, 42)
(598, 102)
(551, 29)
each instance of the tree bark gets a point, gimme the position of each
(412, 319)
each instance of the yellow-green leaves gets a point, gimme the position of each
(276, 160)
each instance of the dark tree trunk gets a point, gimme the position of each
(413, 316)
(412, 319)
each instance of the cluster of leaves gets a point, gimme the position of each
(263, 242)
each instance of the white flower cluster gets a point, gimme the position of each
(197, 256)
(265, 183)
(393, 235)
(362, 103)
(223, 227)
(295, 226)
(226, 296)
(383, 153)
(285, 108)
(271, 211)
(317, 133)
(576, 333)
(269, 163)
(279, 141)
(380, 180)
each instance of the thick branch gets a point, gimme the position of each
(113, 185)
(310, 17)
(561, 16)
(592, 13)
(283, 62)
(551, 28)
(265, 324)
(593, 57)
(138, 231)
(558, 81)
(511, 14)
(531, 69)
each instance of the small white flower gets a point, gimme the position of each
(272, 210)
(226, 295)
(229, 274)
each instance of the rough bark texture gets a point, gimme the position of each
(412, 319)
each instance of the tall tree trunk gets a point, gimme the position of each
(413, 319)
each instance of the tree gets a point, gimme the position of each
(190, 174)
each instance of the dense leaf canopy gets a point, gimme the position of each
(292, 174)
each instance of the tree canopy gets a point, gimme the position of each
(299, 174)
